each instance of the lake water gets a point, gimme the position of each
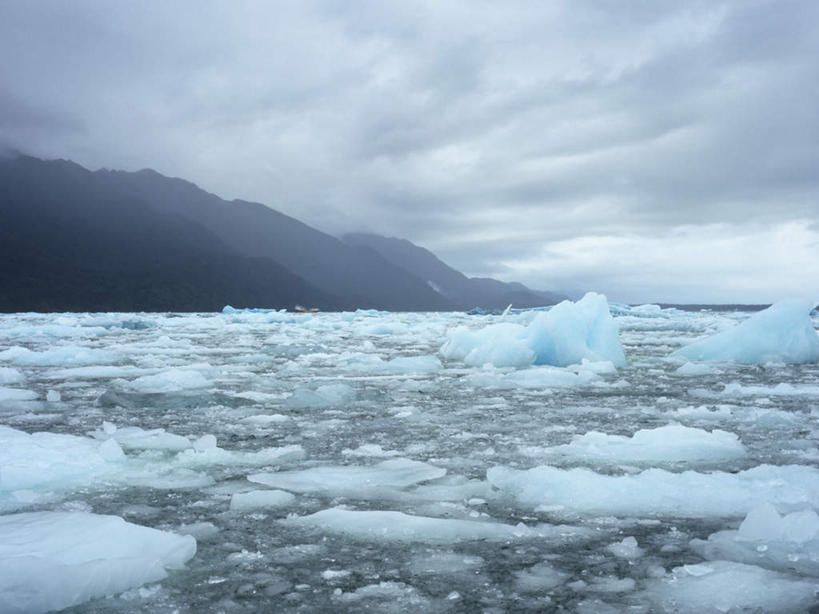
(418, 483)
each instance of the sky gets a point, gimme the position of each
(651, 151)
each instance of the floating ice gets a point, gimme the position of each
(370, 449)
(254, 499)
(626, 549)
(54, 560)
(135, 438)
(51, 460)
(723, 586)
(399, 527)
(540, 577)
(669, 444)
(16, 394)
(10, 375)
(691, 369)
(781, 333)
(206, 456)
(534, 377)
(172, 380)
(784, 543)
(58, 356)
(351, 480)
(562, 336)
(656, 492)
(329, 395)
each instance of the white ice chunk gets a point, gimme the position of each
(691, 369)
(16, 394)
(781, 333)
(50, 460)
(329, 395)
(656, 492)
(390, 526)
(54, 560)
(208, 456)
(10, 375)
(172, 380)
(265, 419)
(785, 543)
(671, 443)
(254, 499)
(57, 357)
(626, 549)
(371, 450)
(539, 378)
(723, 586)
(562, 336)
(538, 578)
(351, 480)
(135, 438)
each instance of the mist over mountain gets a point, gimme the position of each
(464, 291)
(77, 240)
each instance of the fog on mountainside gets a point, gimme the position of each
(464, 291)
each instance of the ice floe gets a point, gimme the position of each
(656, 492)
(351, 479)
(667, 444)
(787, 543)
(54, 560)
(389, 526)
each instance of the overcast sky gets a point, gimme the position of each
(652, 151)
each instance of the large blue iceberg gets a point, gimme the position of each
(781, 333)
(564, 335)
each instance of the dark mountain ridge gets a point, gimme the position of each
(76, 240)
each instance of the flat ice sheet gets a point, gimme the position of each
(656, 492)
(54, 560)
(399, 527)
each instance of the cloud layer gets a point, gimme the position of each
(651, 151)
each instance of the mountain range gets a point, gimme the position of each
(78, 240)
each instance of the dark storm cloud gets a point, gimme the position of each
(501, 135)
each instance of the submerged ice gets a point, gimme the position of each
(349, 462)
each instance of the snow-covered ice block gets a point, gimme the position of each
(669, 444)
(353, 479)
(254, 499)
(54, 560)
(786, 543)
(562, 336)
(781, 333)
(656, 492)
(399, 527)
(723, 586)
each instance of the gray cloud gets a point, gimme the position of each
(494, 133)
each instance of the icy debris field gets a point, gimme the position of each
(561, 460)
